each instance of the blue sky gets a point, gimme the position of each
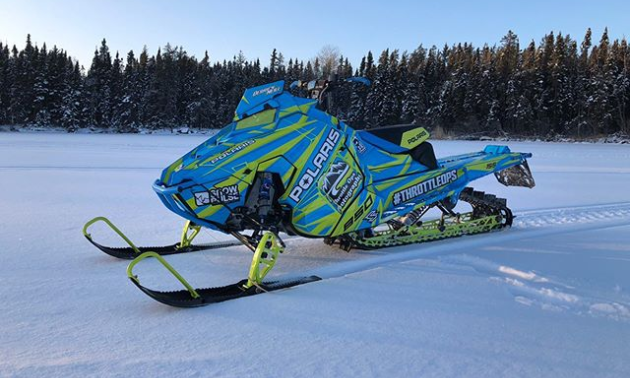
(297, 28)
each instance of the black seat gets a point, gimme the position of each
(388, 138)
(391, 133)
(424, 154)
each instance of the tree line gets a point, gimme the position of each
(558, 87)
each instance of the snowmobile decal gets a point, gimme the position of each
(339, 184)
(359, 213)
(202, 198)
(224, 195)
(371, 217)
(417, 190)
(232, 151)
(307, 179)
(358, 145)
(267, 91)
(413, 138)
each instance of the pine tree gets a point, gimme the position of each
(598, 106)
(22, 94)
(74, 111)
(116, 92)
(369, 66)
(98, 83)
(560, 87)
(309, 73)
(273, 66)
(5, 83)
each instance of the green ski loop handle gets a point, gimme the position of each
(116, 230)
(168, 266)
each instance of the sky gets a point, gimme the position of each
(297, 28)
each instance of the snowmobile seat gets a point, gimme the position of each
(390, 139)
(391, 133)
(424, 154)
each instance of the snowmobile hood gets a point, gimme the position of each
(256, 117)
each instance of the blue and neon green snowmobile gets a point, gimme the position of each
(284, 165)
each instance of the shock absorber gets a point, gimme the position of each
(266, 194)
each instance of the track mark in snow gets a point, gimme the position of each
(488, 266)
(571, 215)
(532, 289)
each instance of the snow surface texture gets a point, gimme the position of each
(549, 297)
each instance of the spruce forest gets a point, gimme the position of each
(556, 87)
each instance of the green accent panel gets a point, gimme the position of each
(290, 110)
(257, 119)
(306, 107)
(192, 203)
(191, 290)
(173, 167)
(412, 138)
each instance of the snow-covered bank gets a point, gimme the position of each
(617, 138)
(549, 297)
(95, 130)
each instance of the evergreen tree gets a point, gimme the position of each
(22, 94)
(74, 108)
(273, 66)
(5, 83)
(98, 83)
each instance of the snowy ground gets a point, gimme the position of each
(549, 297)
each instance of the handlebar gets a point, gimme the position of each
(323, 83)
(317, 89)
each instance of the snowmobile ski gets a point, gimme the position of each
(133, 251)
(265, 256)
(203, 297)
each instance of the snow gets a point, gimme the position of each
(548, 297)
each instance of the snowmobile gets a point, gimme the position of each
(285, 165)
